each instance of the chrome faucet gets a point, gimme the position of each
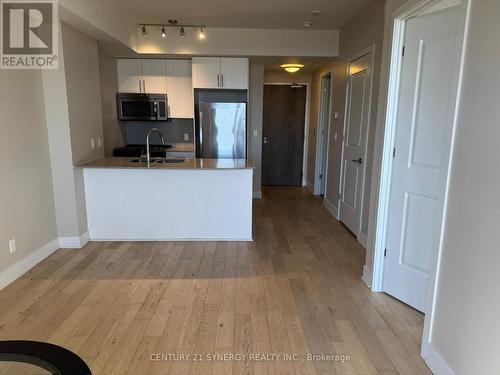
(148, 153)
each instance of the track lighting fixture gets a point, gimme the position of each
(173, 24)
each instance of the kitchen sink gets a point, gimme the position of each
(158, 161)
(167, 161)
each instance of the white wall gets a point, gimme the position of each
(81, 64)
(466, 330)
(241, 42)
(74, 115)
(26, 197)
(256, 97)
(365, 30)
(109, 87)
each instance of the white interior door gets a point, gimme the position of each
(154, 74)
(354, 141)
(322, 136)
(422, 147)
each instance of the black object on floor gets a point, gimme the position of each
(55, 359)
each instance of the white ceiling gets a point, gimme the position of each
(259, 14)
(272, 64)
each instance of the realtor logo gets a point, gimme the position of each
(29, 34)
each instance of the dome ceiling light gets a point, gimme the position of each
(292, 68)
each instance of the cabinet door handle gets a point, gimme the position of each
(218, 80)
(140, 87)
(144, 85)
(222, 80)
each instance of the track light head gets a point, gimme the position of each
(201, 34)
(163, 32)
(182, 33)
(144, 31)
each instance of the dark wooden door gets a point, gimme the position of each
(283, 135)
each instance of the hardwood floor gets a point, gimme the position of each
(125, 307)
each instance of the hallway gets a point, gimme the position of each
(295, 290)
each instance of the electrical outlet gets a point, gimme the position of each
(186, 136)
(99, 142)
(336, 116)
(92, 143)
(12, 246)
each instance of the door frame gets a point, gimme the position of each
(306, 123)
(371, 49)
(411, 9)
(325, 113)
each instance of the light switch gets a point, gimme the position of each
(335, 136)
(335, 116)
(99, 142)
(92, 143)
(255, 133)
(186, 136)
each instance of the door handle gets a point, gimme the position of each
(267, 141)
(359, 161)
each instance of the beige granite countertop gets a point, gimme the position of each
(181, 147)
(125, 163)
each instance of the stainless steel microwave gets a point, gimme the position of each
(142, 107)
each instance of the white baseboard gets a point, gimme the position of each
(257, 194)
(367, 276)
(436, 363)
(24, 265)
(363, 239)
(310, 187)
(74, 242)
(331, 208)
(161, 239)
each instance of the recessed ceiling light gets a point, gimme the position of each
(292, 68)
(307, 24)
(316, 12)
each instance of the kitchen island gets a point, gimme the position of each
(169, 200)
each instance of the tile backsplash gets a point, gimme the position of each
(135, 132)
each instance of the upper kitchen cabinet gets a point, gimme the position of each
(234, 73)
(154, 76)
(220, 73)
(206, 72)
(143, 76)
(129, 75)
(180, 89)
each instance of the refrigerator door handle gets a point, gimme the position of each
(201, 134)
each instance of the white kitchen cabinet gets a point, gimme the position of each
(206, 72)
(154, 79)
(146, 76)
(129, 75)
(220, 73)
(234, 73)
(180, 89)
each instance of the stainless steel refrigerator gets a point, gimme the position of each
(221, 129)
